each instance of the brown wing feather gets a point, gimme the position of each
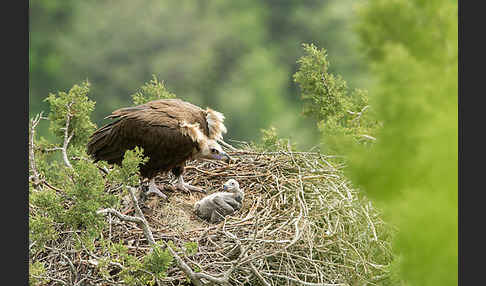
(153, 126)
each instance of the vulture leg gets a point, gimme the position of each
(183, 186)
(153, 189)
(216, 217)
(233, 203)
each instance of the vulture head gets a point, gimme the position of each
(207, 148)
(214, 152)
(231, 185)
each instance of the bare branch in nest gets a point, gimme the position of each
(120, 215)
(300, 282)
(184, 267)
(140, 220)
(227, 145)
(258, 275)
(33, 125)
(67, 138)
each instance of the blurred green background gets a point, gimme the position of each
(237, 57)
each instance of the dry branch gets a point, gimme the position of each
(33, 125)
(67, 138)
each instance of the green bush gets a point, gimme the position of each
(151, 91)
(71, 189)
(343, 116)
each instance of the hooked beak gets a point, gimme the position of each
(225, 187)
(226, 157)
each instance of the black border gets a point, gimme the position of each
(471, 146)
(14, 119)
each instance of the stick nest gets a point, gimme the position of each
(300, 224)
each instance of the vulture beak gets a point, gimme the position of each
(226, 157)
(225, 187)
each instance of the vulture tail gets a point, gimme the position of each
(102, 145)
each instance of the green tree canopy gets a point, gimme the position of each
(237, 57)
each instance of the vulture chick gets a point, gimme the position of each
(170, 131)
(215, 207)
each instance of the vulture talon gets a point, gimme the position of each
(154, 189)
(187, 188)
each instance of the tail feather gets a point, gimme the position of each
(102, 147)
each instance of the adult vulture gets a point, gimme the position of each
(170, 131)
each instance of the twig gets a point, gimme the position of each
(138, 211)
(368, 137)
(71, 267)
(34, 122)
(50, 278)
(370, 222)
(67, 137)
(120, 215)
(258, 275)
(227, 145)
(140, 220)
(184, 267)
(300, 282)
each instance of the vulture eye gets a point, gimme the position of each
(214, 151)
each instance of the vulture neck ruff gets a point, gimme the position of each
(215, 124)
(193, 131)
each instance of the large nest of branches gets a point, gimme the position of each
(301, 224)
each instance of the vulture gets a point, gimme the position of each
(216, 206)
(170, 131)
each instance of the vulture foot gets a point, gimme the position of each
(185, 187)
(154, 189)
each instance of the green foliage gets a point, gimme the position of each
(427, 33)
(47, 203)
(153, 266)
(76, 106)
(158, 261)
(191, 248)
(341, 115)
(271, 142)
(411, 170)
(68, 198)
(151, 91)
(197, 48)
(87, 193)
(41, 230)
(37, 270)
(128, 172)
